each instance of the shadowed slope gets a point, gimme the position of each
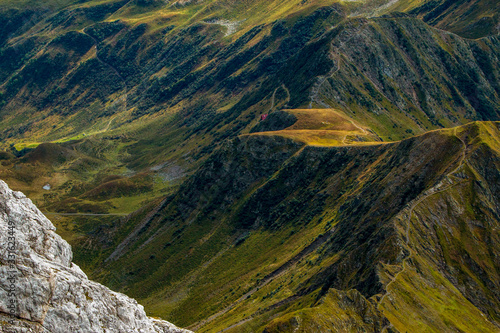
(320, 127)
(333, 219)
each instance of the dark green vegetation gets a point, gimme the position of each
(115, 61)
(314, 219)
(161, 83)
(471, 19)
(269, 228)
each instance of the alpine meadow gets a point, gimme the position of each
(249, 166)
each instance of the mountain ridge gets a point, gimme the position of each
(251, 165)
(271, 209)
(148, 105)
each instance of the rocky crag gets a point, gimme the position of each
(41, 290)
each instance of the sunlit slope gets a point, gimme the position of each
(323, 127)
(449, 233)
(160, 83)
(470, 19)
(121, 100)
(298, 226)
(405, 87)
(122, 63)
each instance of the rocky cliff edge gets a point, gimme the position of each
(41, 290)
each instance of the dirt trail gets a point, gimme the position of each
(287, 92)
(315, 93)
(274, 95)
(96, 42)
(108, 125)
(358, 127)
(272, 100)
(432, 191)
(317, 87)
(86, 214)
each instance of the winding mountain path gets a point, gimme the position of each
(274, 95)
(432, 191)
(272, 100)
(317, 87)
(113, 68)
(287, 92)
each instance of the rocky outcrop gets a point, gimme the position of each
(41, 290)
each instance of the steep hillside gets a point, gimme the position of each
(159, 85)
(266, 165)
(271, 235)
(470, 19)
(44, 291)
(409, 78)
(216, 65)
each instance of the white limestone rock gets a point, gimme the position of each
(49, 293)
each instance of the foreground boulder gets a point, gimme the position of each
(41, 290)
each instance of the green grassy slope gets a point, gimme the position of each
(107, 69)
(451, 236)
(310, 220)
(471, 19)
(410, 79)
(296, 227)
(319, 127)
(114, 62)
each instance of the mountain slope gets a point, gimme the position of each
(471, 19)
(161, 85)
(121, 62)
(350, 205)
(43, 291)
(297, 226)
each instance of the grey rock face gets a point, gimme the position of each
(41, 290)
